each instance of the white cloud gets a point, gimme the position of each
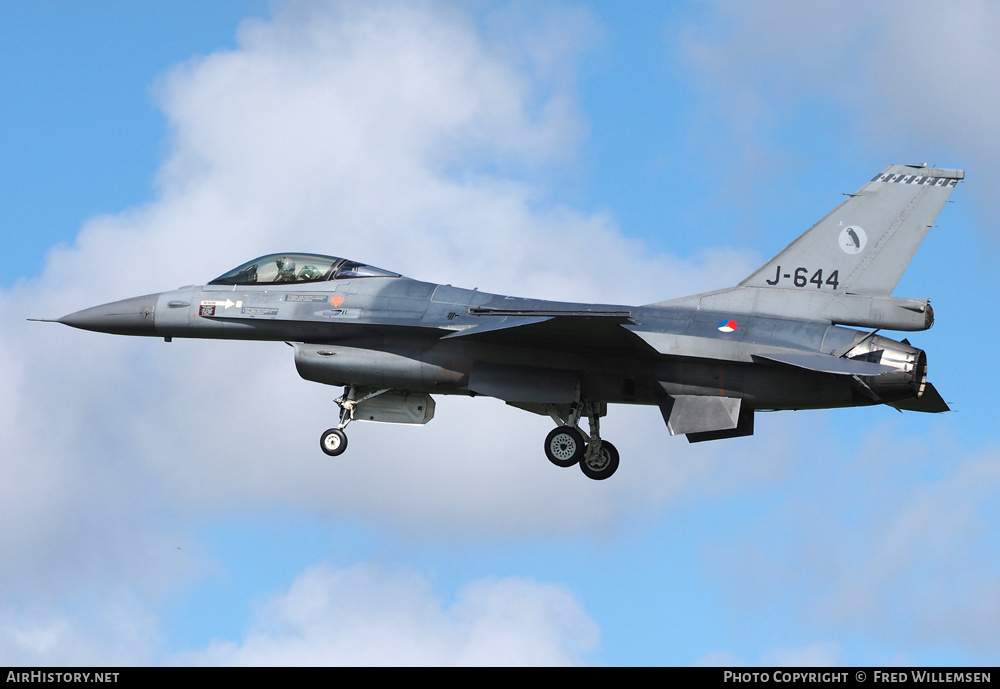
(368, 615)
(408, 136)
(929, 558)
(814, 655)
(401, 134)
(109, 629)
(919, 86)
(891, 538)
(395, 133)
(888, 538)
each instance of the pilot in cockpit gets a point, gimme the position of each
(286, 270)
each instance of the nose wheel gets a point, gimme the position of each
(333, 441)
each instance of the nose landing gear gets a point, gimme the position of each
(334, 440)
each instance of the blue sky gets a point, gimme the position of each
(167, 504)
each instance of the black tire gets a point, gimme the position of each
(564, 446)
(333, 442)
(602, 466)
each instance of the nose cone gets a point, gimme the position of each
(126, 317)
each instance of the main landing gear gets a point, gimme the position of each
(566, 445)
(334, 440)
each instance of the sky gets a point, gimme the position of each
(168, 504)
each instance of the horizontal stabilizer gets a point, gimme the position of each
(824, 363)
(930, 402)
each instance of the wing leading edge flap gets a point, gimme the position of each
(504, 324)
(824, 363)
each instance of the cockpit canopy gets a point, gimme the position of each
(284, 268)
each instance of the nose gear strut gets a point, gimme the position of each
(334, 440)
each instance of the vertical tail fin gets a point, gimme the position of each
(865, 244)
(844, 268)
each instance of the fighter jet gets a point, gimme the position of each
(799, 333)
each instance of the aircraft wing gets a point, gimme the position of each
(492, 326)
(586, 329)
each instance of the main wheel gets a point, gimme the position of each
(564, 446)
(333, 442)
(603, 465)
